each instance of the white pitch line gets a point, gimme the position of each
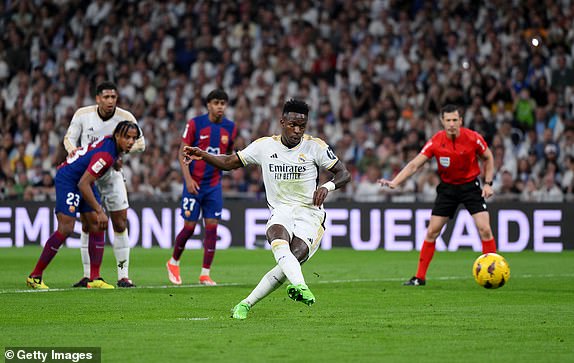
(389, 279)
(6, 291)
(192, 319)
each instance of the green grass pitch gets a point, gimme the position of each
(362, 313)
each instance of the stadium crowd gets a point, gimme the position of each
(375, 73)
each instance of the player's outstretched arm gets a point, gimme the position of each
(405, 173)
(223, 162)
(342, 177)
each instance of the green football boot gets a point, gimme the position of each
(240, 311)
(301, 293)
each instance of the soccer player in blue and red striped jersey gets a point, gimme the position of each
(457, 151)
(214, 133)
(76, 192)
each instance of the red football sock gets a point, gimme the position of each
(425, 258)
(181, 240)
(489, 246)
(209, 244)
(96, 252)
(50, 249)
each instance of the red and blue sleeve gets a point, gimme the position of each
(233, 136)
(100, 163)
(188, 136)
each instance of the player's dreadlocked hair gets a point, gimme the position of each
(106, 85)
(124, 126)
(296, 106)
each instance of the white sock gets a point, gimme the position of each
(84, 240)
(287, 261)
(204, 271)
(122, 253)
(174, 262)
(269, 283)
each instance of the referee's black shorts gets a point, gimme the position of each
(449, 196)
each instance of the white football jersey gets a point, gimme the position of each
(87, 126)
(291, 175)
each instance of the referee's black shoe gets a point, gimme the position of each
(125, 282)
(415, 281)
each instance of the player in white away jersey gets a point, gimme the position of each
(290, 164)
(88, 124)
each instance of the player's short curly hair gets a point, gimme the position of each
(297, 106)
(104, 86)
(217, 94)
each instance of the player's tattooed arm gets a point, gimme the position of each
(342, 177)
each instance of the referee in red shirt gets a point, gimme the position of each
(456, 150)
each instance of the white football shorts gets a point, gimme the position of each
(304, 223)
(112, 188)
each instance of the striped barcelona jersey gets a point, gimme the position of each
(215, 138)
(96, 159)
(291, 176)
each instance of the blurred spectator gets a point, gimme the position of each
(530, 191)
(427, 186)
(368, 189)
(549, 191)
(506, 190)
(372, 74)
(562, 75)
(524, 107)
(369, 158)
(567, 182)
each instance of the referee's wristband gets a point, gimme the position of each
(488, 183)
(330, 186)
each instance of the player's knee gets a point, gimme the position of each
(65, 229)
(85, 223)
(94, 226)
(277, 231)
(65, 224)
(120, 223)
(485, 232)
(432, 235)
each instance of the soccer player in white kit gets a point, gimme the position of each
(290, 164)
(88, 124)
